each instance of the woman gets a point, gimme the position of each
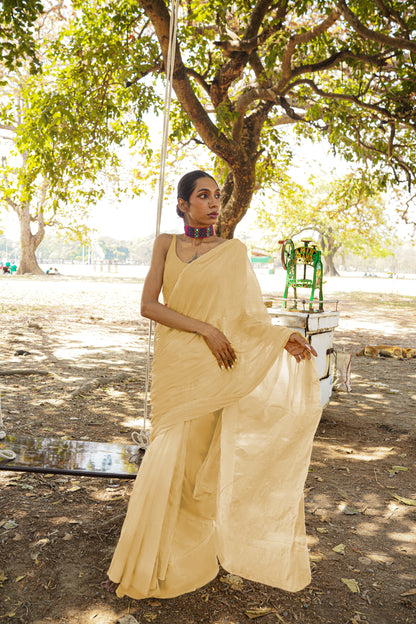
(233, 418)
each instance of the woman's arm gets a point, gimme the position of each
(151, 308)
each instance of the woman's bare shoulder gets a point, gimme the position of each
(162, 243)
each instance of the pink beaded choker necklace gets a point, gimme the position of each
(202, 232)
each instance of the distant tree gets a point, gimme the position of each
(122, 253)
(25, 187)
(345, 214)
(56, 248)
(45, 183)
(107, 248)
(115, 249)
(141, 250)
(9, 249)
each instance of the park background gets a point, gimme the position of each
(305, 113)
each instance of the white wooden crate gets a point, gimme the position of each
(318, 327)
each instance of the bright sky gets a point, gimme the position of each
(137, 218)
(130, 219)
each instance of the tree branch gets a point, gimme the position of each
(284, 120)
(8, 127)
(38, 237)
(340, 96)
(338, 57)
(304, 37)
(257, 66)
(272, 93)
(251, 40)
(307, 228)
(155, 68)
(404, 213)
(289, 110)
(239, 50)
(199, 78)
(257, 16)
(389, 12)
(12, 204)
(158, 13)
(372, 148)
(367, 33)
(225, 76)
(252, 127)
(251, 95)
(391, 139)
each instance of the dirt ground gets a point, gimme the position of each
(57, 533)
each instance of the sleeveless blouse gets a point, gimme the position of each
(173, 268)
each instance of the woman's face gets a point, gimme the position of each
(203, 206)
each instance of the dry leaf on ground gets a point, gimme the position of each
(347, 510)
(352, 585)
(405, 501)
(8, 524)
(257, 612)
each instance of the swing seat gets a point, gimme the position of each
(71, 457)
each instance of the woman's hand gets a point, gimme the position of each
(220, 346)
(299, 347)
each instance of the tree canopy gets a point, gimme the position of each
(243, 72)
(43, 186)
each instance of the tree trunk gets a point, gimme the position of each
(237, 193)
(29, 242)
(330, 268)
(240, 152)
(329, 249)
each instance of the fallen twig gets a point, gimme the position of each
(23, 371)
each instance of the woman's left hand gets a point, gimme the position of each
(299, 347)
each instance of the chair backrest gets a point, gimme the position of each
(306, 255)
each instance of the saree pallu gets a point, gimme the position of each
(223, 476)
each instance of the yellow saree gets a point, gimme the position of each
(223, 477)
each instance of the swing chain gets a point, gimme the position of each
(170, 63)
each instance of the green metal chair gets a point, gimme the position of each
(304, 269)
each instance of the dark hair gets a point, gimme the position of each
(187, 185)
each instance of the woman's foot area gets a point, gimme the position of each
(109, 586)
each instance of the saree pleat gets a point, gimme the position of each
(224, 474)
